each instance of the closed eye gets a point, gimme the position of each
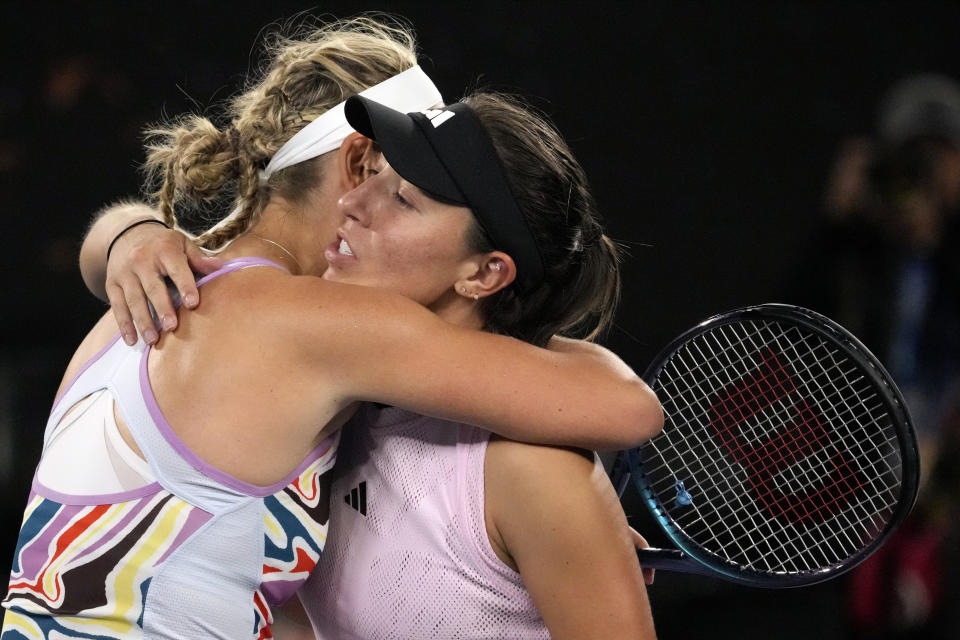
(403, 201)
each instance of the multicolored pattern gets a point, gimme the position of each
(262, 618)
(156, 562)
(65, 551)
(295, 531)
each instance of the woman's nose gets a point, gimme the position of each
(355, 204)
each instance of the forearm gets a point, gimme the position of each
(608, 406)
(631, 396)
(109, 222)
(396, 352)
(520, 391)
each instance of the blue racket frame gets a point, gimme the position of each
(690, 557)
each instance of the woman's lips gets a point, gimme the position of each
(339, 251)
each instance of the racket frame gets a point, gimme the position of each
(691, 557)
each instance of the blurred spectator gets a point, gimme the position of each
(886, 264)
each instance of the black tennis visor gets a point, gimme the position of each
(447, 153)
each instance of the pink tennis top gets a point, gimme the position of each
(407, 553)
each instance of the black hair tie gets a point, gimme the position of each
(131, 226)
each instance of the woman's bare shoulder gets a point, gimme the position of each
(534, 460)
(528, 482)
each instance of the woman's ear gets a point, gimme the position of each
(494, 271)
(357, 159)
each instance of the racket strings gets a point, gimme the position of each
(768, 447)
(755, 416)
(868, 412)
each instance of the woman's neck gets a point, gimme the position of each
(458, 310)
(253, 244)
(283, 235)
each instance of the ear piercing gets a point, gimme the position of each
(476, 297)
(496, 266)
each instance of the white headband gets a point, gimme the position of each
(410, 90)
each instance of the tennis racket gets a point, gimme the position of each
(787, 454)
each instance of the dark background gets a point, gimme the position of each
(707, 130)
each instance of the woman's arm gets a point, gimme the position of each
(371, 345)
(139, 261)
(553, 516)
(388, 349)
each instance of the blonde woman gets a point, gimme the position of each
(182, 490)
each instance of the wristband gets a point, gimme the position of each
(131, 226)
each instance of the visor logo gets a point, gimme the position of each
(437, 116)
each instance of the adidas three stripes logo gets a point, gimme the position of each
(438, 116)
(357, 498)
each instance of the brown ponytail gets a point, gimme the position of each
(581, 285)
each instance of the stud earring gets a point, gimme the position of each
(476, 297)
(463, 289)
(496, 266)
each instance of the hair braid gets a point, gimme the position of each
(167, 194)
(306, 74)
(248, 196)
(192, 158)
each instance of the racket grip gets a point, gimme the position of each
(671, 560)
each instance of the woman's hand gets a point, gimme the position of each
(641, 543)
(140, 258)
(140, 261)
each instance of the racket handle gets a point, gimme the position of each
(671, 560)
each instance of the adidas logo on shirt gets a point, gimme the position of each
(437, 116)
(357, 498)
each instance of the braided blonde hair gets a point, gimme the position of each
(192, 161)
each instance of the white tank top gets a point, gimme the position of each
(116, 547)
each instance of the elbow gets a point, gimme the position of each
(641, 419)
(93, 273)
(648, 414)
